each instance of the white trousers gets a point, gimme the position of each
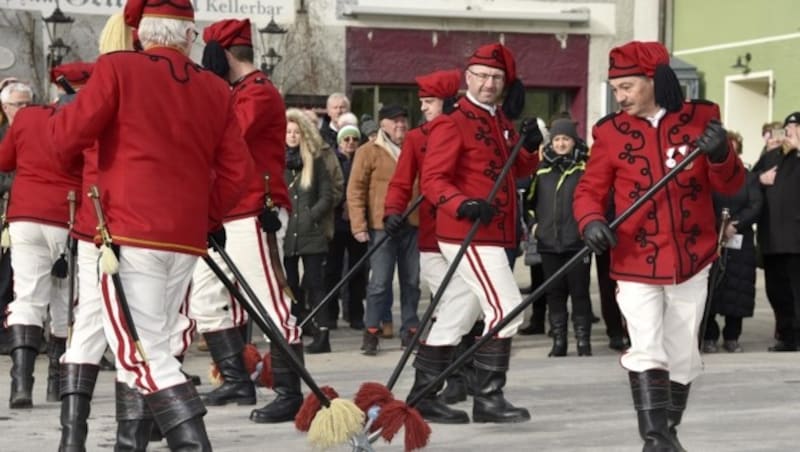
(458, 309)
(486, 272)
(34, 249)
(214, 308)
(156, 285)
(87, 344)
(88, 341)
(663, 323)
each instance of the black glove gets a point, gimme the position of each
(598, 237)
(393, 224)
(270, 223)
(218, 236)
(714, 142)
(529, 130)
(476, 209)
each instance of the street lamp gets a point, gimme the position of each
(58, 25)
(271, 57)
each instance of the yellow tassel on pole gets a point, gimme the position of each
(335, 424)
(109, 264)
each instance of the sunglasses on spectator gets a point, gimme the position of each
(349, 139)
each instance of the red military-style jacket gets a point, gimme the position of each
(404, 185)
(466, 153)
(171, 158)
(41, 185)
(261, 113)
(673, 236)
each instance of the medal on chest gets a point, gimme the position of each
(670, 162)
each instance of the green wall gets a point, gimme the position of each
(701, 23)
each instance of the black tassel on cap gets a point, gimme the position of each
(515, 100)
(214, 59)
(60, 267)
(667, 88)
(449, 104)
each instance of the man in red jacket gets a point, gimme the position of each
(459, 308)
(664, 251)
(38, 214)
(171, 164)
(466, 151)
(261, 116)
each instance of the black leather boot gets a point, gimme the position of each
(287, 385)
(226, 348)
(429, 363)
(491, 365)
(679, 395)
(651, 395)
(583, 335)
(558, 328)
(179, 412)
(25, 343)
(459, 383)
(134, 420)
(77, 387)
(55, 348)
(321, 343)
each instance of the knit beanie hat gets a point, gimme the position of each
(348, 131)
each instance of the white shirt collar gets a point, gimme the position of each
(655, 119)
(492, 109)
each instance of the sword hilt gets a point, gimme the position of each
(72, 200)
(102, 228)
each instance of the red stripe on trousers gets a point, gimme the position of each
(486, 282)
(124, 339)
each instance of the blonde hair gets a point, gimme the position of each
(116, 35)
(310, 144)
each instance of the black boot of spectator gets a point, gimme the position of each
(558, 326)
(583, 335)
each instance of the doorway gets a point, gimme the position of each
(748, 105)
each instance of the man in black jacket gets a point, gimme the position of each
(779, 233)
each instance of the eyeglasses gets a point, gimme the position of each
(496, 78)
(350, 139)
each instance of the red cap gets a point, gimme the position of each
(229, 32)
(168, 9)
(76, 73)
(441, 84)
(636, 58)
(497, 56)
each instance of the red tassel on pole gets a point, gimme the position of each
(265, 375)
(371, 394)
